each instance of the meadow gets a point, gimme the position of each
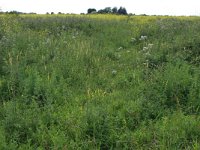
(99, 82)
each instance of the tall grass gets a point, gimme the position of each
(99, 82)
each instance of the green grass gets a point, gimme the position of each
(93, 82)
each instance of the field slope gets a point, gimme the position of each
(99, 82)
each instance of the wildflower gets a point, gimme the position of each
(143, 37)
(48, 41)
(120, 48)
(114, 72)
(150, 46)
(63, 27)
(133, 39)
(146, 63)
(145, 48)
(147, 54)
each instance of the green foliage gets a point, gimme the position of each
(99, 82)
(122, 11)
(109, 10)
(91, 10)
(114, 10)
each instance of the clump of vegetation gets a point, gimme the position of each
(108, 10)
(99, 82)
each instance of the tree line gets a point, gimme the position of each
(108, 10)
(15, 12)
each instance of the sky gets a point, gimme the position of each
(149, 7)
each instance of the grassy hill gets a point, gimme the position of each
(99, 82)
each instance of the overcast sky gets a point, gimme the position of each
(149, 7)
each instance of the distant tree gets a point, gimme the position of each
(91, 10)
(131, 14)
(144, 15)
(47, 13)
(59, 13)
(32, 13)
(14, 12)
(122, 11)
(108, 10)
(114, 10)
(52, 13)
(101, 11)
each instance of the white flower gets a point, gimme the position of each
(114, 72)
(143, 37)
(48, 41)
(133, 39)
(119, 56)
(63, 27)
(120, 48)
(150, 46)
(147, 54)
(145, 48)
